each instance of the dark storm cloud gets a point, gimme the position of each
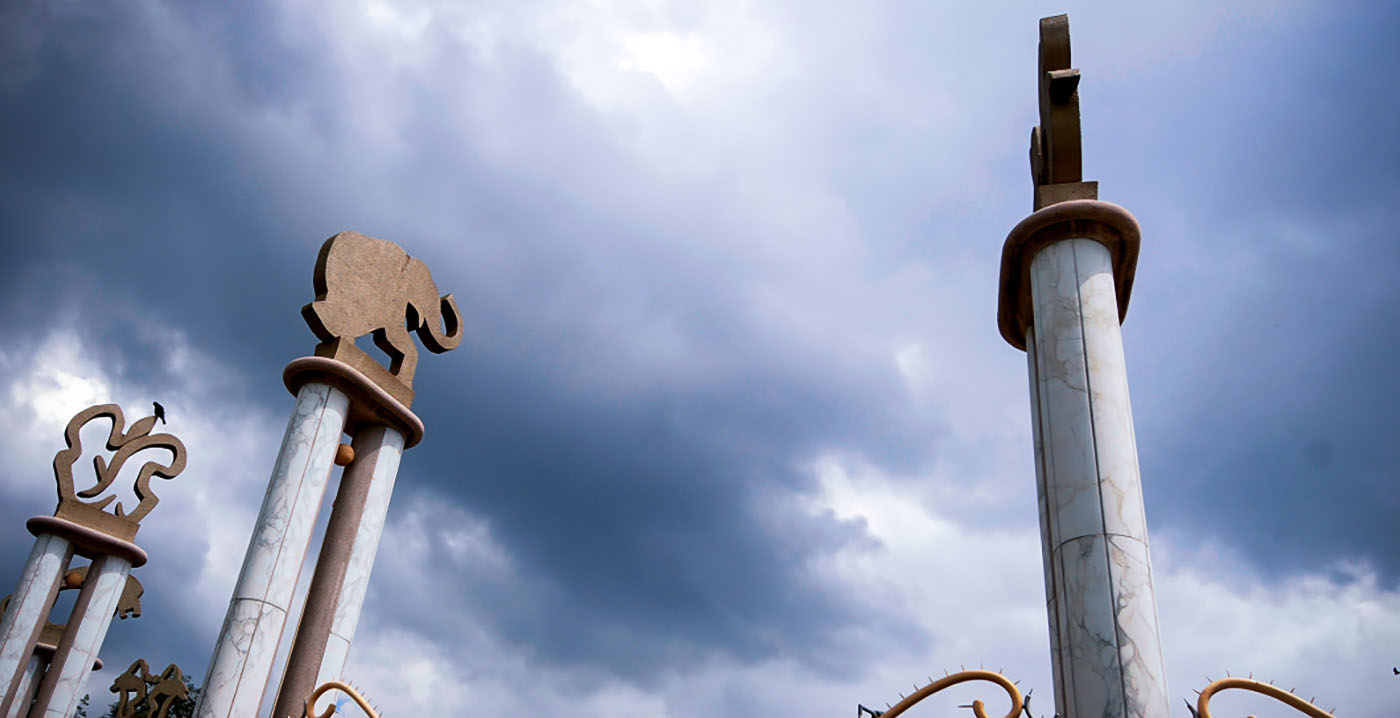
(147, 189)
(1262, 329)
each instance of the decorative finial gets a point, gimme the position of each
(1056, 158)
(365, 286)
(120, 523)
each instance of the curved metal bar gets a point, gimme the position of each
(1278, 694)
(330, 710)
(978, 708)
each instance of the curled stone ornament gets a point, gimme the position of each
(71, 502)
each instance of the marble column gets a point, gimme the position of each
(247, 644)
(1103, 615)
(28, 683)
(63, 683)
(357, 572)
(377, 448)
(29, 608)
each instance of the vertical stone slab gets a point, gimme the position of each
(1099, 594)
(247, 644)
(63, 684)
(28, 684)
(29, 608)
(366, 546)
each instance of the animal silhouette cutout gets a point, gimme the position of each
(365, 286)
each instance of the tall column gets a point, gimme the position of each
(247, 643)
(334, 565)
(1100, 590)
(1066, 277)
(63, 683)
(357, 573)
(29, 608)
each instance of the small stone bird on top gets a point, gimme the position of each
(160, 411)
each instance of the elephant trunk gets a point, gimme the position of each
(441, 326)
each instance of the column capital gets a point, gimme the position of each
(370, 404)
(1103, 222)
(87, 541)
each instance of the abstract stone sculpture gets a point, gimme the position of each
(365, 286)
(79, 526)
(157, 699)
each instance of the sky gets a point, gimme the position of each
(731, 430)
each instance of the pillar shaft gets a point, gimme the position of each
(357, 573)
(28, 683)
(63, 683)
(1103, 614)
(29, 608)
(333, 565)
(247, 644)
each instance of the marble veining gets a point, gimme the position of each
(63, 684)
(247, 643)
(30, 605)
(1073, 488)
(1100, 603)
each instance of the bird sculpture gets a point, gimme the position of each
(160, 411)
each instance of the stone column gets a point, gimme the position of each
(63, 683)
(29, 608)
(357, 573)
(1102, 612)
(247, 644)
(29, 682)
(376, 448)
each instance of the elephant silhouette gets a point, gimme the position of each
(367, 285)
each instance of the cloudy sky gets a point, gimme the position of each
(731, 431)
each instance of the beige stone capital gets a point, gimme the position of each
(1103, 222)
(370, 404)
(87, 541)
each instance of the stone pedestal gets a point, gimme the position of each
(29, 608)
(1066, 273)
(247, 643)
(63, 683)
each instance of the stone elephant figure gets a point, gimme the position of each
(366, 285)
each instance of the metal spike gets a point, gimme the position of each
(1251, 675)
(1227, 674)
(945, 672)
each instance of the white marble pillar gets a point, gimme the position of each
(63, 684)
(29, 608)
(247, 644)
(1099, 582)
(357, 572)
(28, 683)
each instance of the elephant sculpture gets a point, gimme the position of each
(366, 285)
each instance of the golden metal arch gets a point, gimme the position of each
(1248, 684)
(978, 708)
(330, 710)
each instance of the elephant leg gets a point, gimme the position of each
(403, 355)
